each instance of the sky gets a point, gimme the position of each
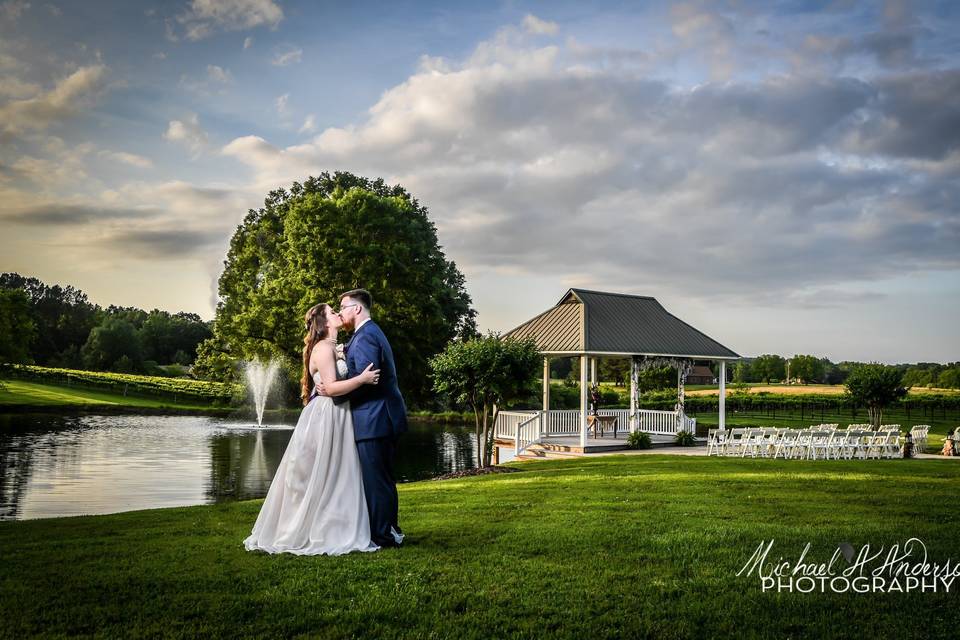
(784, 176)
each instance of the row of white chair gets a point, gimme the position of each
(825, 441)
(920, 433)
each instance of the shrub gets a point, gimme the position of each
(609, 397)
(684, 439)
(639, 440)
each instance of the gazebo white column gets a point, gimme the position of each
(634, 374)
(723, 394)
(593, 370)
(583, 400)
(546, 383)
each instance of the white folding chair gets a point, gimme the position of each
(716, 441)
(858, 440)
(751, 442)
(893, 446)
(772, 442)
(876, 441)
(819, 441)
(920, 433)
(786, 443)
(801, 448)
(838, 443)
(734, 442)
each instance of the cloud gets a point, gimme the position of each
(162, 243)
(281, 103)
(13, 9)
(213, 81)
(533, 24)
(68, 97)
(187, 132)
(287, 55)
(136, 221)
(914, 116)
(218, 74)
(131, 159)
(247, 43)
(744, 188)
(206, 17)
(63, 166)
(309, 124)
(12, 87)
(60, 214)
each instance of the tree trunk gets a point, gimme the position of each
(476, 416)
(876, 414)
(484, 450)
(488, 451)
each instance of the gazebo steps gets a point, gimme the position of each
(554, 449)
(536, 452)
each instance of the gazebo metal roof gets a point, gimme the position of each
(598, 322)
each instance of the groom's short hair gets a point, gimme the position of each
(360, 295)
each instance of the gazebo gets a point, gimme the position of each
(596, 324)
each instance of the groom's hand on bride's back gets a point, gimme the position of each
(368, 375)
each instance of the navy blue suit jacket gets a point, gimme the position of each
(378, 409)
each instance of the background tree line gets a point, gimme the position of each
(58, 326)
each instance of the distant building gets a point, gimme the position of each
(701, 374)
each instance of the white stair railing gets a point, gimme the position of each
(527, 433)
(507, 422)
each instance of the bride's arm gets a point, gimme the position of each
(325, 359)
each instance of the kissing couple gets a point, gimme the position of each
(334, 491)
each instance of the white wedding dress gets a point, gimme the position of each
(315, 504)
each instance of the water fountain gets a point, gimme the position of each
(260, 378)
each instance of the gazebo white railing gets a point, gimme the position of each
(525, 428)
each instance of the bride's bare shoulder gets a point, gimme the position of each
(322, 350)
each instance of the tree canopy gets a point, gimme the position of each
(767, 367)
(325, 236)
(17, 328)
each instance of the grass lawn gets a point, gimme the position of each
(610, 547)
(35, 394)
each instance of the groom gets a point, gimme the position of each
(379, 415)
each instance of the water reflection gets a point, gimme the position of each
(63, 465)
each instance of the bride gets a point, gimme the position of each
(315, 504)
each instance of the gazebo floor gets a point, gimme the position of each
(570, 444)
(605, 442)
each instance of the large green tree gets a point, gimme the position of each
(113, 346)
(875, 386)
(320, 238)
(169, 337)
(767, 367)
(17, 328)
(806, 368)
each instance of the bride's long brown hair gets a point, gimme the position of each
(316, 327)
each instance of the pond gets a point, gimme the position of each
(73, 465)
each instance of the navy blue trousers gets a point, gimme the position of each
(380, 488)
